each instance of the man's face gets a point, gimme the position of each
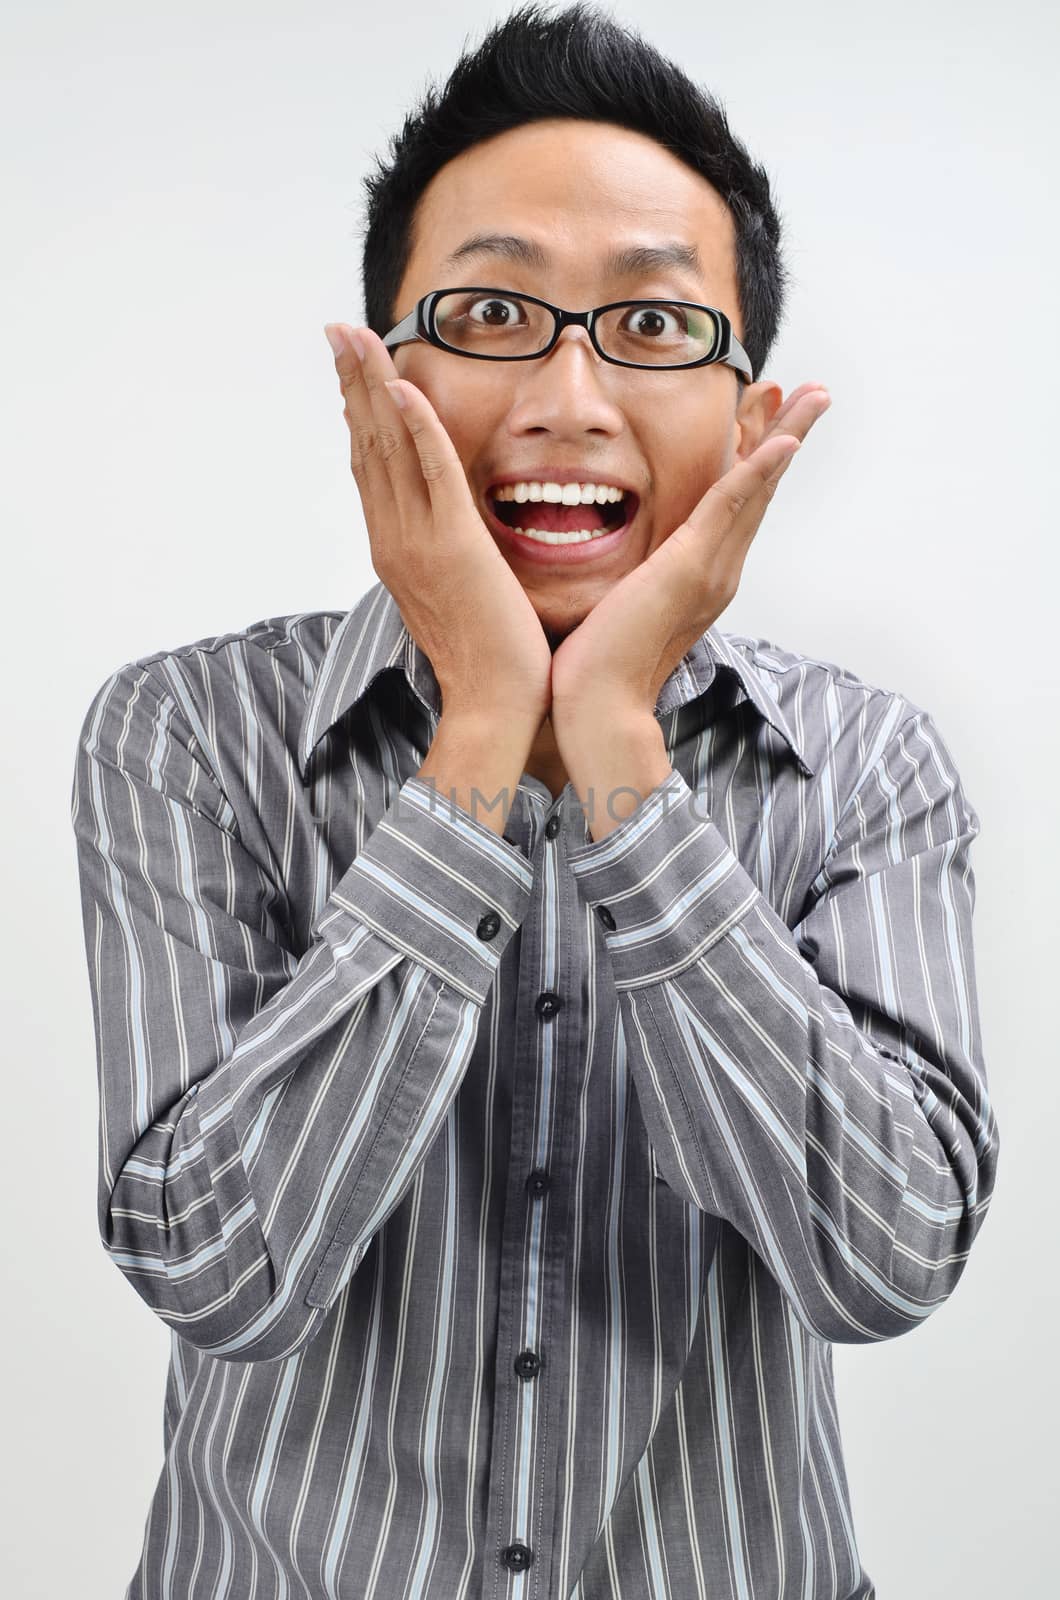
(578, 190)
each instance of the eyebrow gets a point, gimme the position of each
(620, 262)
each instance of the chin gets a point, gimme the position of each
(555, 632)
(558, 619)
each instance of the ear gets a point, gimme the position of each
(759, 404)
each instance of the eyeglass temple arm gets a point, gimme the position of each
(407, 328)
(738, 358)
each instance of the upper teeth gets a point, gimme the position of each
(567, 494)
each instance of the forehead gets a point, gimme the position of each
(581, 192)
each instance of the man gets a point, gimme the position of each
(533, 1024)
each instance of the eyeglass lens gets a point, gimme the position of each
(504, 325)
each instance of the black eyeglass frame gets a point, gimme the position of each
(420, 324)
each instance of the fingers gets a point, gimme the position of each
(381, 457)
(801, 410)
(440, 466)
(433, 460)
(401, 453)
(364, 462)
(793, 402)
(733, 507)
(746, 488)
(768, 463)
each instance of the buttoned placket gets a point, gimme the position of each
(534, 1292)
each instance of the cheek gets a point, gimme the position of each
(682, 474)
(466, 407)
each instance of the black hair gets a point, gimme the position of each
(580, 64)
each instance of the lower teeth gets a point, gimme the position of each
(547, 536)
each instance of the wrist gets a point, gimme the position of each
(596, 720)
(475, 761)
(615, 757)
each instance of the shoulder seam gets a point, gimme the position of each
(844, 676)
(139, 671)
(222, 641)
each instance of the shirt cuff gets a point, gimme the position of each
(438, 885)
(664, 884)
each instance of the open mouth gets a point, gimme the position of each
(551, 530)
(552, 518)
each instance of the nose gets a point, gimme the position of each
(568, 392)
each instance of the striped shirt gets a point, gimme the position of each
(505, 1194)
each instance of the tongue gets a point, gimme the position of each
(553, 518)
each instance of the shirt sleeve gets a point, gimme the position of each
(821, 1087)
(262, 1112)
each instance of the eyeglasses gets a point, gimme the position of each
(496, 325)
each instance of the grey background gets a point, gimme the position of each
(181, 215)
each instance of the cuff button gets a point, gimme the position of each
(488, 925)
(605, 916)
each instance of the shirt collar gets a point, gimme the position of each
(372, 638)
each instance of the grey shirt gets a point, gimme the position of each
(504, 1196)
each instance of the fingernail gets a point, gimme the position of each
(396, 394)
(358, 345)
(334, 338)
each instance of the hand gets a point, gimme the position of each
(457, 595)
(626, 648)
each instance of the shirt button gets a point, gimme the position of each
(552, 826)
(605, 916)
(537, 1183)
(517, 1557)
(547, 1004)
(527, 1364)
(488, 925)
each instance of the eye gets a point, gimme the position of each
(653, 322)
(497, 311)
(491, 322)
